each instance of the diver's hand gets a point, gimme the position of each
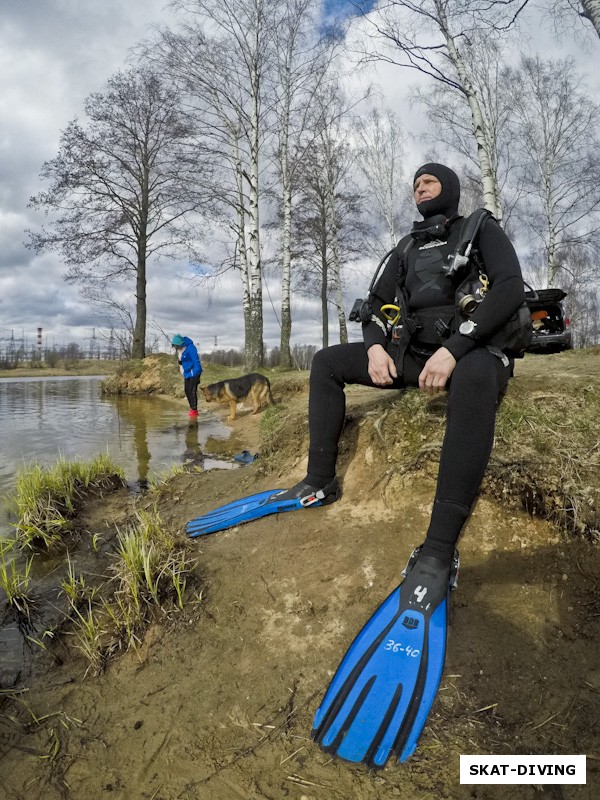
(382, 369)
(437, 370)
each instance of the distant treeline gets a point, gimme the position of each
(34, 357)
(302, 356)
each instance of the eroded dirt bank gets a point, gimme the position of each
(218, 703)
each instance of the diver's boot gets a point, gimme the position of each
(308, 495)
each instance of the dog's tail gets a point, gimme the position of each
(269, 394)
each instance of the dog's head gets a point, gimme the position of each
(208, 395)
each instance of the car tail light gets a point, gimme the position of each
(567, 323)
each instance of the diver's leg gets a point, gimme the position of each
(333, 368)
(476, 387)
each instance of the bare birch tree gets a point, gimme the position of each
(557, 125)
(328, 221)
(588, 10)
(591, 12)
(220, 54)
(579, 279)
(121, 188)
(447, 110)
(380, 155)
(301, 66)
(430, 36)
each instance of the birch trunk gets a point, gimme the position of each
(286, 256)
(489, 179)
(335, 258)
(138, 349)
(254, 348)
(339, 297)
(324, 291)
(591, 11)
(551, 266)
(241, 245)
(286, 269)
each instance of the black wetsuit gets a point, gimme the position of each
(476, 386)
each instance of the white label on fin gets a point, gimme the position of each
(420, 593)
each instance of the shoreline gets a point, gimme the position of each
(99, 369)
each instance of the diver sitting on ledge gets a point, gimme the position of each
(435, 341)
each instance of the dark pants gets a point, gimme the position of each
(190, 386)
(476, 387)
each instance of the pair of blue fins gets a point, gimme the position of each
(378, 701)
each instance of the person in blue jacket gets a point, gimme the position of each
(191, 369)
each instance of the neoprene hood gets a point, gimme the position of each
(447, 201)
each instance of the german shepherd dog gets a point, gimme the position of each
(254, 387)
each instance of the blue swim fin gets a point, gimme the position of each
(261, 505)
(382, 692)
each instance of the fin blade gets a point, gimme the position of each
(437, 635)
(380, 697)
(245, 512)
(223, 514)
(233, 506)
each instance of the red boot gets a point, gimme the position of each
(192, 413)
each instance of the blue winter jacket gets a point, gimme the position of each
(190, 360)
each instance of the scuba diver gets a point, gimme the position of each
(447, 313)
(190, 367)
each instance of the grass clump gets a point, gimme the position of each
(14, 581)
(274, 430)
(149, 574)
(47, 500)
(151, 566)
(547, 454)
(74, 587)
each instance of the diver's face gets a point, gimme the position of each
(426, 188)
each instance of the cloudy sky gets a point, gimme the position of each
(53, 53)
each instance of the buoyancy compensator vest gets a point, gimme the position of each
(453, 271)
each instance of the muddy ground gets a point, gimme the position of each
(217, 702)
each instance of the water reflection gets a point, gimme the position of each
(42, 419)
(192, 453)
(45, 418)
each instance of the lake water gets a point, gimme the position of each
(42, 419)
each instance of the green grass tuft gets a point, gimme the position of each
(149, 573)
(13, 580)
(46, 500)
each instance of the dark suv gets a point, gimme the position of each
(551, 326)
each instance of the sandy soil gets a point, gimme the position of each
(217, 703)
